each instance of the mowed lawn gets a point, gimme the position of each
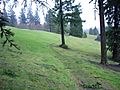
(42, 65)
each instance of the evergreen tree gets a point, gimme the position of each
(113, 39)
(12, 16)
(5, 32)
(76, 23)
(30, 17)
(112, 13)
(64, 9)
(36, 18)
(23, 19)
(4, 10)
(93, 31)
(52, 21)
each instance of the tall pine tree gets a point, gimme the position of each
(30, 17)
(23, 19)
(12, 16)
(36, 18)
(52, 21)
(76, 22)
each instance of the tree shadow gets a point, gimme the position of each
(114, 67)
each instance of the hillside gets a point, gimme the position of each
(42, 65)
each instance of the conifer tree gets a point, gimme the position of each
(12, 16)
(76, 23)
(5, 32)
(36, 18)
(30, 17)
(23, 19)
(112, 13)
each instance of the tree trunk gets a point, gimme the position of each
(61, 22)
(102, 33)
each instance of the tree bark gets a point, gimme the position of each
(61, 22)
(102, 33)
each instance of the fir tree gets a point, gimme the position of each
(23, 19)
(30, 17)
(76, 23)
(12, 16)
(112, 13)
(93, 31)
(36, 18)
(52, 21)
(5, 32)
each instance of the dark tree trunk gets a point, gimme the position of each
(61, 22)
(102, 33)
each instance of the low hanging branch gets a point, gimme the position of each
(6, 33)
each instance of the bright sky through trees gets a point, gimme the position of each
(87, 9)
(88, 14)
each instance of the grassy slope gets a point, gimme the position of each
(42, 65)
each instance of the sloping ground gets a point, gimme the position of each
(42, 65)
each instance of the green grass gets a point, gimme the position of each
(42, 65)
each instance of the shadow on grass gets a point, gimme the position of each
(114, 67)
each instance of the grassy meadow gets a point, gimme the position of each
(42, 65)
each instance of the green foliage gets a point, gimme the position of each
(5, 32)
(113, 38)
(76, 23)
(112, 12)
(53, 21)
(71, 14)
